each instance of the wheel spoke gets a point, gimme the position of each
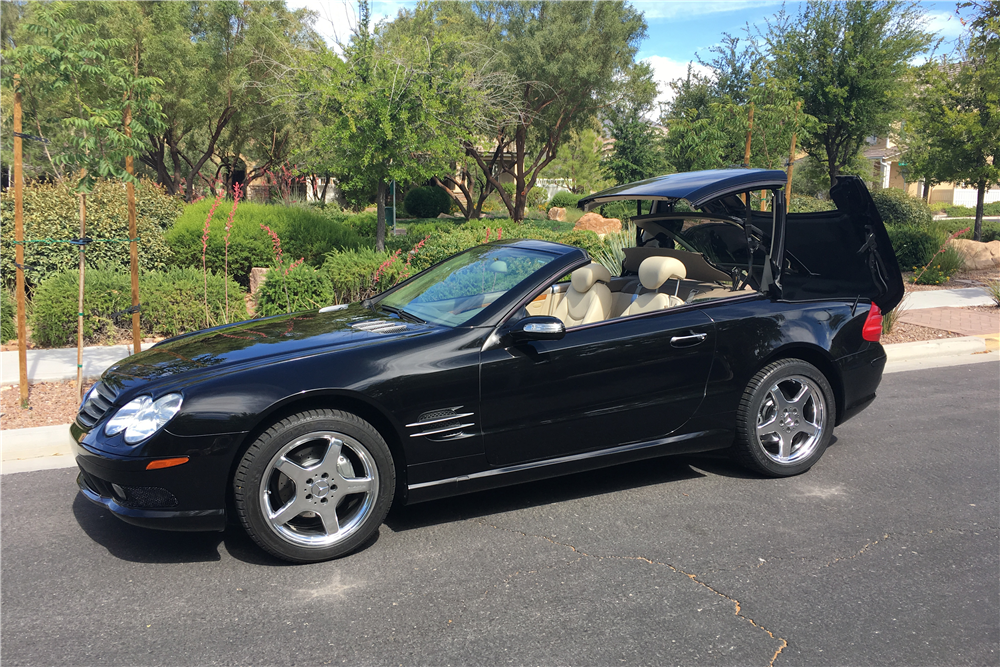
(784, 447)
(347, 486)
(802, 397)
(287, 512)
(331, 454)
(327, 513)
(292, 470)
(768, 426)
(808, 428)
(778, 397)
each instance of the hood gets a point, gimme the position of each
(282, 336)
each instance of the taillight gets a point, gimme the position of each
(873, 325)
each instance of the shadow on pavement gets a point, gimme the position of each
(532, 494)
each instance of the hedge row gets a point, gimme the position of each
(173, 302)
(52, 211)
(8, 326)
(993, 208)
(898, 208)
(305, 232)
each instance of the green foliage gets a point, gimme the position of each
(303, 288)
(172, 303)
(991, 209)
(52, 211)
(611, 252)
(8, 313)
(898, 208)
(941, 267)
(427, 202)
(993, 287)
(990, 230)
(579, 161)
(351, 274)
(891, 319)
(914, 246)
(809, 204)
(849, 63)
(305, 233)
(564, 199)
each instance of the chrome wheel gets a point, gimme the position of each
(790, 420)
(318, 490)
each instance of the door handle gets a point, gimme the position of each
(688, 341)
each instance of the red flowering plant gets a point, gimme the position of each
(204, 249)
(279, 262)
(237, 194)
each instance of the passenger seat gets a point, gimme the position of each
(653, 272)
(588, 298)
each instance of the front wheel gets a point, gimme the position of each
(785, 419)
(315, 485)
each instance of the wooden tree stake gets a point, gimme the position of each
(22, 330)
(133, 235)
(79, 312)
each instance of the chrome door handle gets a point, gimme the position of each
(687, 341)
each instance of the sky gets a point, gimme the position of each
(679, 31)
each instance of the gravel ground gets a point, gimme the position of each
(50, 403)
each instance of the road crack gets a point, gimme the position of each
(692, 576)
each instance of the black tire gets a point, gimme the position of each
(785, 419)
(315, 486)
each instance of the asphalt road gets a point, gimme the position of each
(886, 553)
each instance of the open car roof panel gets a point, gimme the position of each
(696, 187)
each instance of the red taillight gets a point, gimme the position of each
(873, 325)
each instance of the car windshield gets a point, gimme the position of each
(452, 292)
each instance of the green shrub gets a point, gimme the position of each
(914, 246)
(993, 287)
(565, 199)
(305, 233)
(810, 205)
(993, 208)
(365, 223)
(52, 211)
(427, 202)
(351, 274)
(898, 208)
(8, 325)
(991, 228)
(303, 288)
(172, 303)
(950, 261)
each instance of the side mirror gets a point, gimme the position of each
(539, 327)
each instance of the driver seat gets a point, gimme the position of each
(588, 298)
(653, 272)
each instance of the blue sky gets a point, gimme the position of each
(678, 32)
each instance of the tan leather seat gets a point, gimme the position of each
(653, 272)
(588, 298)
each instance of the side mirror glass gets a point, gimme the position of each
(537, 328)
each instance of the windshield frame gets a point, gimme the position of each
(562, 257)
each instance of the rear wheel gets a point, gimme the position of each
(315, 486)
(785, 419)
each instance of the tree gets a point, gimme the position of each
(637, 151)
(385, 107)
(953, 131)
(567, 60)
(849, 62)
(580, 161)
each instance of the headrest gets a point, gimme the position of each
(654, 271)
(585, 277)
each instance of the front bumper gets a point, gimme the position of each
(188, 497)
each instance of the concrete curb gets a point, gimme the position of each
(945, 347)
(49, 447)
(20, 446)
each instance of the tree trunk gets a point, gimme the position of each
(519, 194)
(977, 234)
(380, 227)
(326, 184)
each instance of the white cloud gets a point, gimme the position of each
(666, 70)
(945, 24)
(337, 19)
(676, 9)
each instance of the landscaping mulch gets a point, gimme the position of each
(903, 332)
(50, 403)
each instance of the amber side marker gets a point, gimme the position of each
(166, 463)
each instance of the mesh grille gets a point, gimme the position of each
(134, 496)
(98, 402)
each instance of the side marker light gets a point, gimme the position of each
(166, 463)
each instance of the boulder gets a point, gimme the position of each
(556, 213)
(597, 223)
(977, 255)
(256, 279)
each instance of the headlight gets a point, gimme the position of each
(143, 417)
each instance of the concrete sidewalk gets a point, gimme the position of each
(60, 364)
(948, 298)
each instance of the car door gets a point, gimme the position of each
(626, 380)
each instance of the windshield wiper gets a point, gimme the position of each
(401, 313)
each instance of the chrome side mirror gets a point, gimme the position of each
(539, 327)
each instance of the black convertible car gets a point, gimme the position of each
(726, 327)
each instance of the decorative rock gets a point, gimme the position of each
(256, 279)
(556, 213)
(978, 255)
(597, 223)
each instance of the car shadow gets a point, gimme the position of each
(147, 545)
(722, 464)
(543, 492)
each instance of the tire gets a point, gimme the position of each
(315, 486)
(785, 419)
